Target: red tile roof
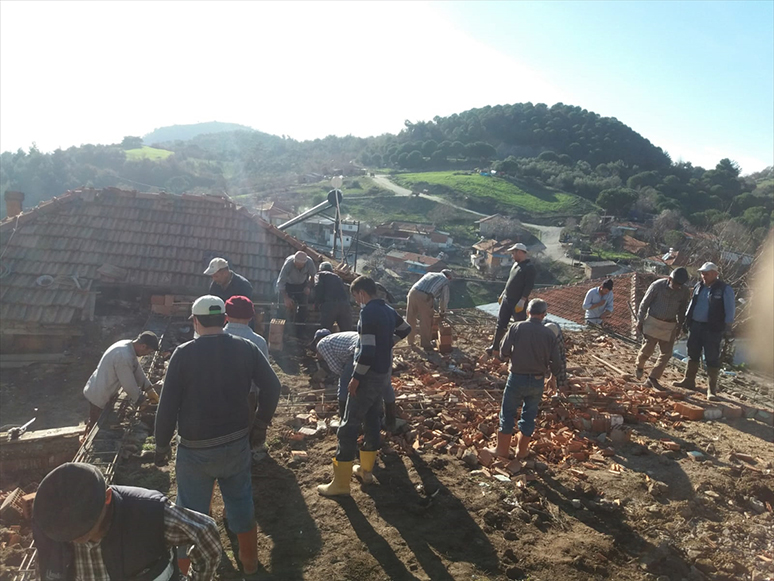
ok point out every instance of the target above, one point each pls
(567, 301)
(161, 242)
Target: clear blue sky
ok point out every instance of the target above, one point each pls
(695, 78)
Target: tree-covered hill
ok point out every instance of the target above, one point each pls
(186, 132)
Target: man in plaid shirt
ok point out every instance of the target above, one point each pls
(337, 350)
(89, 531)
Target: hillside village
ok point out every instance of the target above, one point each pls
(623, 478)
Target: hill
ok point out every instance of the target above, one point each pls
(186, 132)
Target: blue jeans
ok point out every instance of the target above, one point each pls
(525, 391)
(365, 407)
(229, 465)
(388, 392)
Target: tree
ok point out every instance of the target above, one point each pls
(429, 147)
(590, 223)
(617, 201)
(414, 160)
(130, 142)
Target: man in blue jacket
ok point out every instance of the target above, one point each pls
(205, 393)
(379, 328)
(710, 316)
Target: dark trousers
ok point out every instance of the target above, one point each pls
(301, 300)
(508, 312)
(701, 338)
(336, 312)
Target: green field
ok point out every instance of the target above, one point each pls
(492, 194)
(145, 152)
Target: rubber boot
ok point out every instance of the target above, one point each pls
(339, 486)
(248, 551)
(365, 471)
(390, 414)
(689, 380)
(494, 349)
(712, 388)
(523, 446)
(184, 565)
(342, 408)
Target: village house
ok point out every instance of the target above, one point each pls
(319, 231)
(498, 226)
(61, 258)
(403, 234)
(493, 255)
(599, 268)
(273, 213)
(403, 261)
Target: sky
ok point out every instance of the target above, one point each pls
(695, 78)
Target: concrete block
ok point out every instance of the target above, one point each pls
(713, 414)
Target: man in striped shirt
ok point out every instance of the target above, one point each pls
(86, 530)
(337, 350)
(421, 297)
(379, 327)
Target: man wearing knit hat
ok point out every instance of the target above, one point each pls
(84, 529)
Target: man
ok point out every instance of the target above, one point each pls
(206, 395)
(420, 301)
(239, 313)
(337, 350)
(119, 368)
(598, 303)
(294, 284)
(84, 529)
(533, 349)
(515, 295)
(660, 318)
(559, 381)
(379, 327)
(332, 299)
(710, 316)
(225, 282)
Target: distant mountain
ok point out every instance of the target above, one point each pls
(186, 132)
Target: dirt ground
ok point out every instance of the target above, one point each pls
(429, 516)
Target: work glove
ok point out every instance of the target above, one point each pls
(163, 455)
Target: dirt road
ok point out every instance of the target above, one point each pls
(549, 235)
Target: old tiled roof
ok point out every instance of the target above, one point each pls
(493, 246)
(399, 255)
(631, 244)
(567, 301)
(161, 242)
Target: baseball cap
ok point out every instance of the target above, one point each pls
(707, 266)
(679, 275)
(150, 339)
(517, 246)
(216, 264)
(240, 307)
(69, 501)
(320, 334)
(208, 305)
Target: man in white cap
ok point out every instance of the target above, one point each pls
(225, 282)
(710, 316)
(205, 395)
(294, 284)
(515, 296)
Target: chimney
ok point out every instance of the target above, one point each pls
(13, 203)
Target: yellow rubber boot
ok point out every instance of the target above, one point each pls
(339, 486)
(365, 471)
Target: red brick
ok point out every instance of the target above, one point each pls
(689, 411)
(157, 299)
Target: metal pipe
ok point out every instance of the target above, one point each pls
(321, 207)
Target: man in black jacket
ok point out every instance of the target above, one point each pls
(84, 529)
(332, 299)
(205, 393)
(515, 296)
